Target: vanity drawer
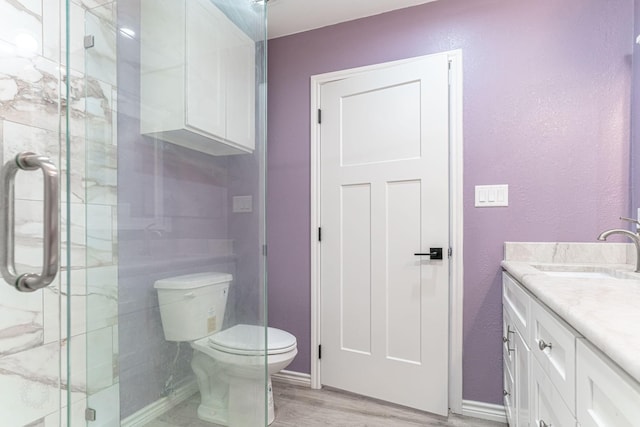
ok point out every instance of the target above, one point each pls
(606, 396)
(517, 303)
(548, 408)
(554, 347)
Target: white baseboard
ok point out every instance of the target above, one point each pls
(160, 406)
(484, 411)
(290, 377)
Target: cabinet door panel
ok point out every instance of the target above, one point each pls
(523, 395)
(606, 396)
(548, 407)
(557, 359)
(517, 303)
(509, 395)
(508, 349)
(205, 83)
(241, 83)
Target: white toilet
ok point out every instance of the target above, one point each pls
(229, 363)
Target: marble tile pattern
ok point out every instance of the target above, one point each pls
(33, 339)
(603, 310)
(298, 406)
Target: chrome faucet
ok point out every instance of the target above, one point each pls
(635, 237)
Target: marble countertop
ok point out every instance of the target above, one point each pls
(606, 311)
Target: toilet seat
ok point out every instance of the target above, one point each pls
(248, 340)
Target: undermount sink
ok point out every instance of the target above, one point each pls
(579, 272)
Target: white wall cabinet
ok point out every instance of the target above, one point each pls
(555, 377)
(197, 77)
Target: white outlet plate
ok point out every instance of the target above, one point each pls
(488, 196)
(242, 204)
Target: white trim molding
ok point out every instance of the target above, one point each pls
(455, 220)
(291, 377)
(484, 411)
(160, 406)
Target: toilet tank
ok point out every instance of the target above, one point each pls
(192, 306)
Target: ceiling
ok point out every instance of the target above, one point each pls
(294, 16)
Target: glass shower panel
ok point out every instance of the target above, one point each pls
(175, 175)
(100, 91)
(33, 325)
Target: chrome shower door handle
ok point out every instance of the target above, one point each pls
(29, 282)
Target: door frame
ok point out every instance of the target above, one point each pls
(456, 289)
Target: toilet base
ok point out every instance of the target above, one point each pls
(231, 400)
(215, 415)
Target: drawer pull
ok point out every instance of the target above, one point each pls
(543, 346)
(543, 424)
(507, 339)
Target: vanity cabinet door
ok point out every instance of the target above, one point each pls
(518, 303)
(548, 407)
(508, 369)
(554, 347)
(509, 396)
(523, 394)
(606, 396)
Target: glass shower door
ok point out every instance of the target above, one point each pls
(33, 118)
(164, 199)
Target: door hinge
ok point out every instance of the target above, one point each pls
(319, 116)
(320, 352)
(319, 234)
(449, 74)
(90, 414)
(264, 250)
(450, 252)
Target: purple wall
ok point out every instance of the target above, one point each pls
(546, 110)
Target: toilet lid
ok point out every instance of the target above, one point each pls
(249, 340)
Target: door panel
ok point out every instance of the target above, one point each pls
(384, 198)
(355, 283)
(32, 112)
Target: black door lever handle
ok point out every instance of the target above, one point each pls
(434, 253)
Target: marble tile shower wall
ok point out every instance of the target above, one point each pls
(33, 339)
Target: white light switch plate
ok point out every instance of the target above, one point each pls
(492, 195)
(242, 204)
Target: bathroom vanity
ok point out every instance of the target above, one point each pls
(571, 335)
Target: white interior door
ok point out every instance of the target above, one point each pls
(384, 170)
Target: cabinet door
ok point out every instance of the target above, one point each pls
(508, 332)
(554, 346)
(517, 303)
(205, 77)
(548, 408)
(509, 394)
(240, 60)
(606, 396)
(523, 395)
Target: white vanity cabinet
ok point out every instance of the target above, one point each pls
(197, 77)
(541, 347)
(555, 377)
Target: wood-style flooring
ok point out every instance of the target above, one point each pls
(299, 406)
